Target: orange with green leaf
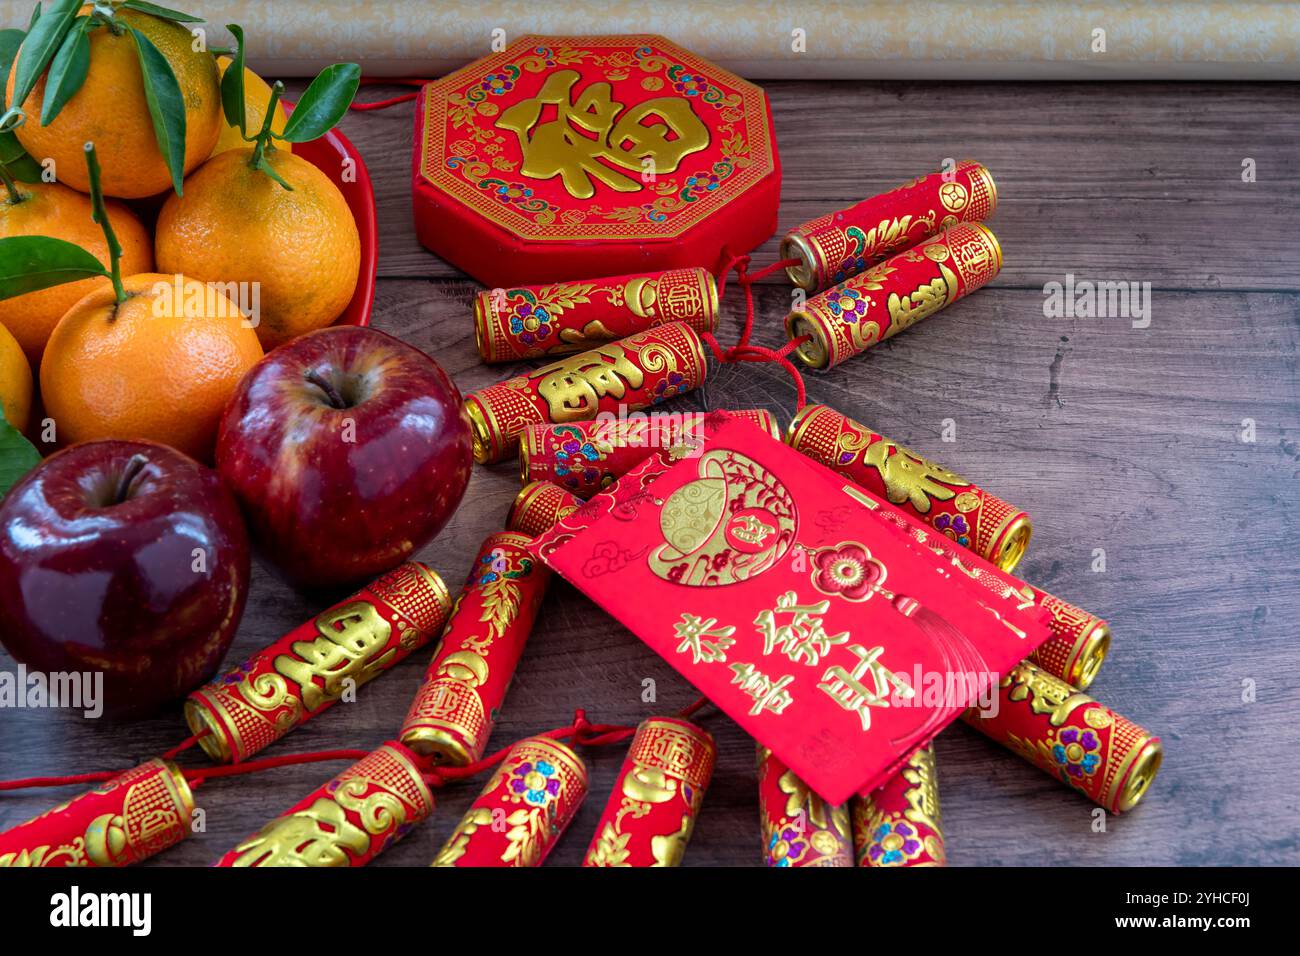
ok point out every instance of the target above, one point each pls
(128, 76)
(264, 216)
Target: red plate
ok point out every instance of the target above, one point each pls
(327, 154)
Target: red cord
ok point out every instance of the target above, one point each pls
(99, 776)
(742, 351)
(391, 101)
(183, 746)
(383, 104)
(197, 777)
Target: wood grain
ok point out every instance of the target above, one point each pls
(1114, 438)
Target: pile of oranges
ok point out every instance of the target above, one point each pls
(161, 363)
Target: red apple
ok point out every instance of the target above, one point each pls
(125, 557)
(348, 450)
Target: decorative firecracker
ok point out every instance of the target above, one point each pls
(842, 244)
(1076, 739)
(943, 499)
(628, 375)
(538, 506)
(291, 681)
(899, 824)
(584, 457)
(452, 715)
(127, 819)
(348, 822)
(656, 798)
(894, 295)
(535, 793)
(567, 317)
(799, 828)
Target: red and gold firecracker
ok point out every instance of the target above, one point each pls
(452, 715)
(1079, 641)
(567, 317)
(348, 822)
(943, 499)
(538, 506)
(842, 244)
(1076, 739)
(899, 823)
(651, 811)
(628, 375)
(891, 296)
(536, 791)
(585, 457)
(122, 821)
(308, 670)
(798, 827)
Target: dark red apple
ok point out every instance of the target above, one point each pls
(125, 557)
(348, 450)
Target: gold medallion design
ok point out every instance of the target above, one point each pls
(731, 523)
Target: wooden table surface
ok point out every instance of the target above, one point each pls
(1115, 438)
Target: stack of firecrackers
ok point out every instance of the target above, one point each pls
(873, 269)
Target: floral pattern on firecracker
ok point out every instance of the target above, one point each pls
(532, 314)
(576, 458)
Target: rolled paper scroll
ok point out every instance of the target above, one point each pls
(1076, 739)
(1079, 641)
(943, 499)
(585, 457)
(348, 822)
(628, 375)
(894, 295)
(899, 824)
(567, 317)
(452, 715)
(538, 506)
(651, 811)
(844, 243)
(537, 791)
(305, 672)
(122, 821)
(798, 827)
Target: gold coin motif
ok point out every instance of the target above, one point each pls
(953, 196)
(966, 502)
(1098, 718)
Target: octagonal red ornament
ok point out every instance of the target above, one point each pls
(575, 157)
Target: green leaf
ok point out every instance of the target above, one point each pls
(15, 159)
(43, 40)
(324, 103)
(166, 13)
(10, 41)
(166, 106)
(232, 85)
(36, 15)
(18, 456)
(68, 70)
(28, 263)
(265, 167)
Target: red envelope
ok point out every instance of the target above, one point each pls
(768, 581)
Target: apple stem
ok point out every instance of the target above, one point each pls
(326, 386)
(129, 474)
